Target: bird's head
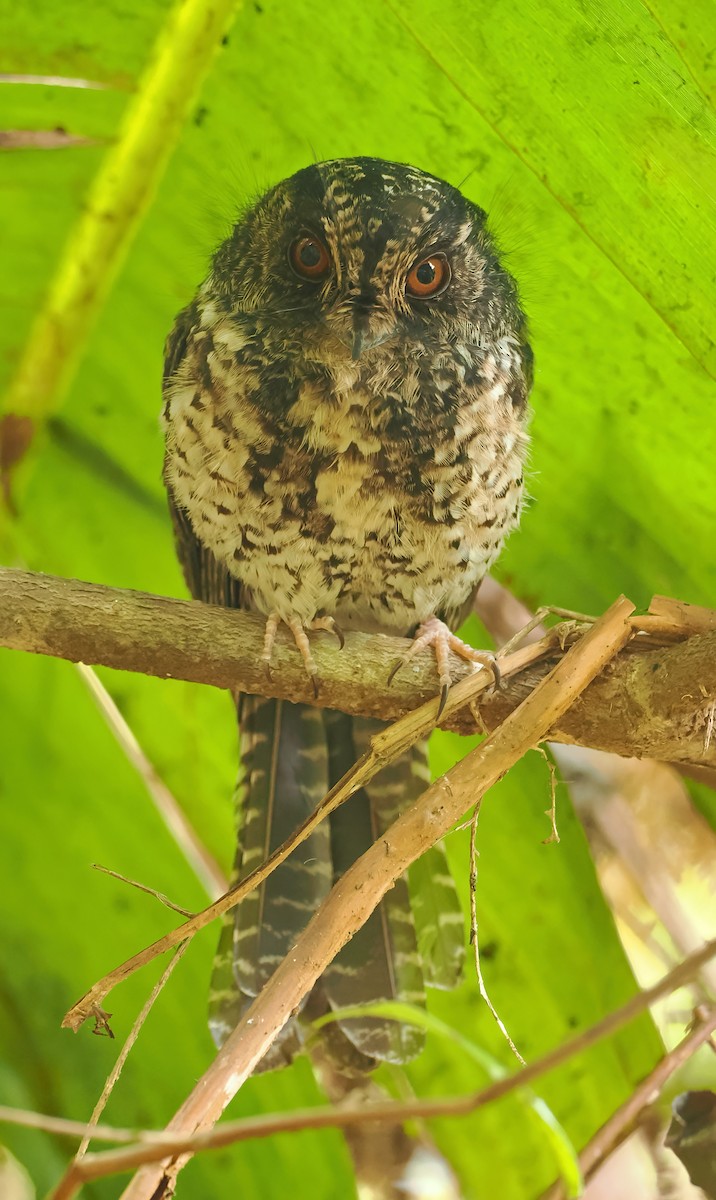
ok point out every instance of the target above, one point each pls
(348, 256)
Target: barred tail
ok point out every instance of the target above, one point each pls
(387, 959)
(283, 777)
(291, 755)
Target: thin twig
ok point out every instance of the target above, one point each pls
(143, 887)
(536, 622)
(124, 1052)
(195, 852)
(67, 1185)
(550, 812)
(96, 1166)
(474, 939)
(62, 1127)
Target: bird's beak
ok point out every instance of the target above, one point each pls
(359, 340)
(363, 339)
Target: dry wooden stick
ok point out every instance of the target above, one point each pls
(665, 611)
(152, 1146)
(63, 1127)
(358, 892)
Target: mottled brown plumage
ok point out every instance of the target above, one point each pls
(346, 401)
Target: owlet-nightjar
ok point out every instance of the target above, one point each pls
(345, 415)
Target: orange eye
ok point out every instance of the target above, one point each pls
(309, 258)
(428, 277)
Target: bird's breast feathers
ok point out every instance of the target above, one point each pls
(322, 508)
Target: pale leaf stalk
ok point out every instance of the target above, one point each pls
(118, 199)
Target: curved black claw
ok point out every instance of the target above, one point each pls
(328, 625)
(491, 664)
(394, 671)
(498, 683)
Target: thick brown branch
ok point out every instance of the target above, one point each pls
(654, 702)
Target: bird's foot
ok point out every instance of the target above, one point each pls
(435, 633)
(299, 630)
